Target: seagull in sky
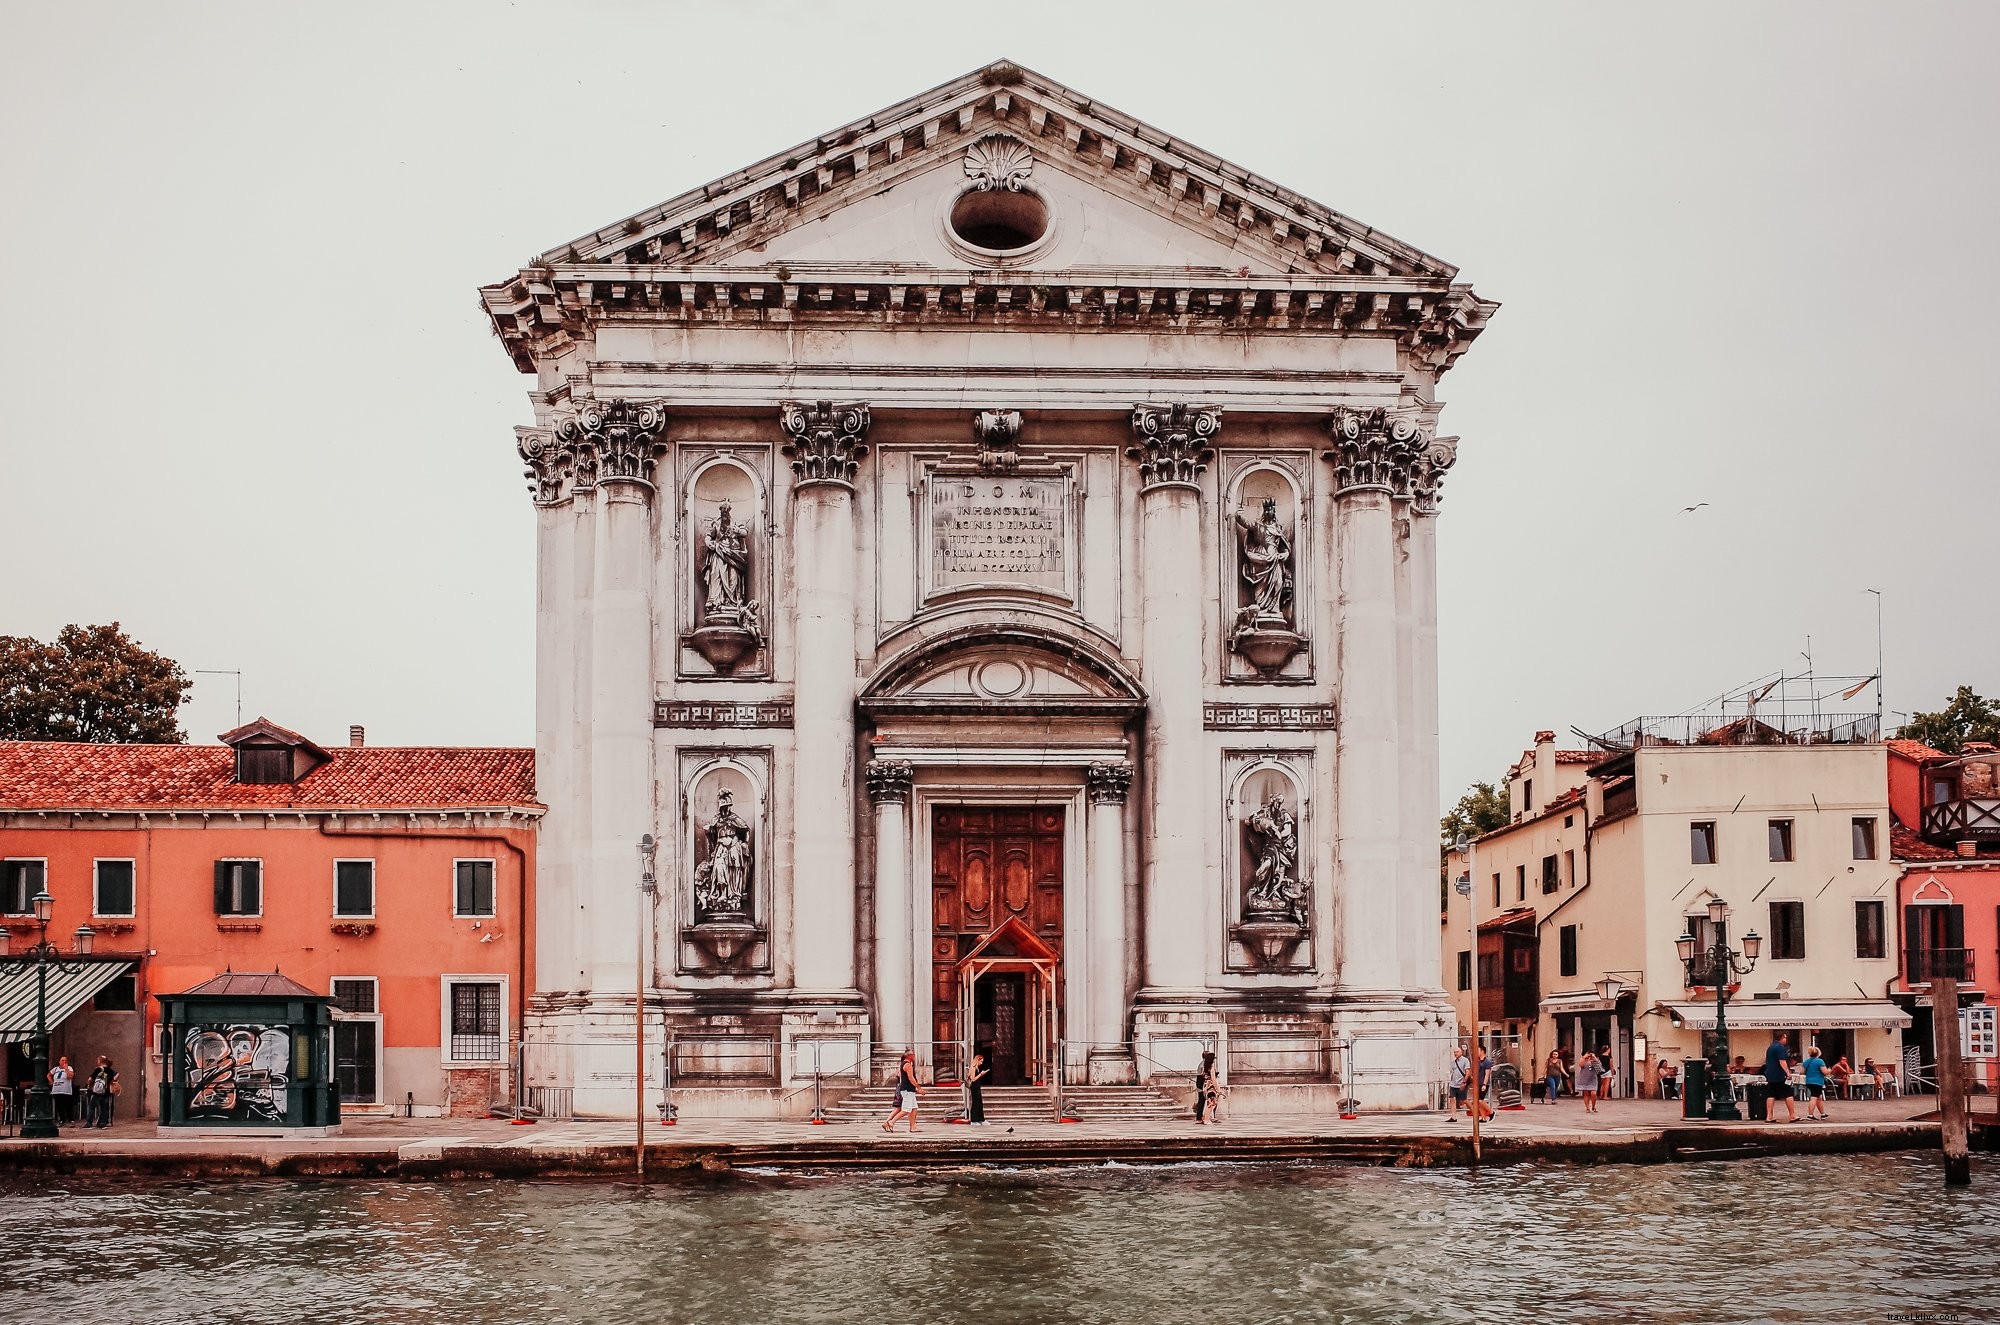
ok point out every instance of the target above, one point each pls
(1697, 506)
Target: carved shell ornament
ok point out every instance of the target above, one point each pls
(999, 162)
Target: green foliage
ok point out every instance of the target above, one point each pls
(1481, 809)
(1966, 717)
(95, 683)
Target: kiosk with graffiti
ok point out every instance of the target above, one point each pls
(238, 1071)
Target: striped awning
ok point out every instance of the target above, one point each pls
(68, 990)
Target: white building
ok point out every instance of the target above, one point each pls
(1581, 897)
(992, 548)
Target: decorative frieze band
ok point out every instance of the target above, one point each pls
(597, 442)
(1108, 783)
(1269, 717)
(825, 441)
(1376, 449)
(889, 780)
(723, 716)
(1172, 443)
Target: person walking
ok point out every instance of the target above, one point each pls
(1589, 1076)
(975, 1103)
(62, 1090)
(907, 1092)
(1778, 1074)
(1607, 1065)
(1206, 1094)
(1482, 1084)
(1461, 1080)
(1815, 1069)
(100, 1093)
(1554, 1074)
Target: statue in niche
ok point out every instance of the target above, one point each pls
(1267, 567)
(1272, 834)
(722, 882)
(730, 628)
(1263, 632)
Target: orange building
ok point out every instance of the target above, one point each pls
(1945, 831)
(399, 880)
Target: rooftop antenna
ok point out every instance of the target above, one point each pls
(213, 671)
(1879, 733)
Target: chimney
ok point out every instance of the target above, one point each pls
(1968, 850)
(1545, 766)
(357, 736)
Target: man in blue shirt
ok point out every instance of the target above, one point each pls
(1778, 1074)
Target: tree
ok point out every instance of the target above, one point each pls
(1481, 809)
(95, 683)
(1966, 717)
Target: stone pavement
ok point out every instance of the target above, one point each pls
(1621, 1131)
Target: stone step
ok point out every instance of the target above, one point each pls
(1021, 1103)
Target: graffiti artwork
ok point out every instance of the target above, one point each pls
(238, 1072)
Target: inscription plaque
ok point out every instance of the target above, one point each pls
(1011, 532)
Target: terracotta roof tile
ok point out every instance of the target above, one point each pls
(1911, 749)
(55, 775)
(1904, 844)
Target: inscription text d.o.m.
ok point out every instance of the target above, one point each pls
(1012, 531)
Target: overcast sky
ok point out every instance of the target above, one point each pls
(253, 410)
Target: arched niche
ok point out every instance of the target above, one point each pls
(1266, 600)
(1267, 818)
(725, 834)
(727, 575)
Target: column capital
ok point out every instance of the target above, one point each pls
(549, 467)
(1374, 449)
(1108, 783)
(825, 441)
(1171, 443)
(1427, 479)
(889, 781)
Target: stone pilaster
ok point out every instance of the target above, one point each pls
(1372, 456)
(616, 444)
(826, 443)
(895, 930)
(1418, 713)
(1171, 448)
(1105, 921)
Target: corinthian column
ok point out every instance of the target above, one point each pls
(895, 935)
(825, 443)
(1422, 961)
(1171, 446)
(559, 717)
(1371, 456)
(1105, 914)
(613, 447)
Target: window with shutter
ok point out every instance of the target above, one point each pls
(112, 892)
(472, 890)
(239, 888)
(20, 880)
(354, 888)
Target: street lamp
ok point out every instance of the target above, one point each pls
(1464, 846)
(1718, 965)
(40, 1122)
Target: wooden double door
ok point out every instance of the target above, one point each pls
(990, 864)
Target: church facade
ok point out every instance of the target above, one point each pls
(986, 588)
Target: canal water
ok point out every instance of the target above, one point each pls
(1861, 1239)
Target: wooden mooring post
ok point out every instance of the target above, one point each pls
(1951, 1084)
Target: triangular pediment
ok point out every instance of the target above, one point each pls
(1124, 196)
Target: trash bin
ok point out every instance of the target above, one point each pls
(1694, 1088)
(1757, 1098)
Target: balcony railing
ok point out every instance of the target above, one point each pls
(1922, 965)
(1744, 729)
(1963, 820)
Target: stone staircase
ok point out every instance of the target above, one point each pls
(1012, 1104)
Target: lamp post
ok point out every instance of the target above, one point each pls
(40, 1122)
(647, 845)
(1717, 966)
(1464, 845)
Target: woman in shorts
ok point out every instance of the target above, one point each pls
(907, 1092)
